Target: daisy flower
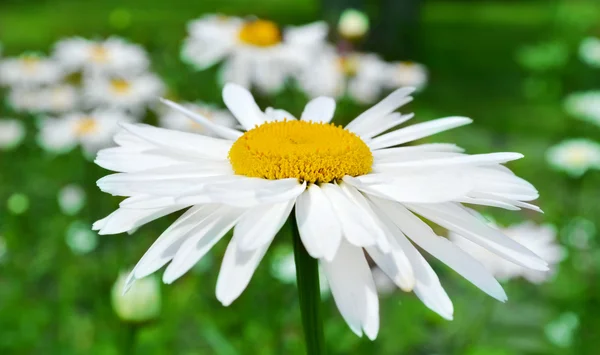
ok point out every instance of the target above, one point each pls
(362, 76)
(50, 99)
(255, 52)
(113, 56)
(93, 131)
(174, 119)
(12, 133)
(589, 51)
(29, 70)
(584, 105)
(540, 239)
(349, 191)
(574, 156)
(132, 94)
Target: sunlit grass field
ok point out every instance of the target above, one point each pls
(56, 301)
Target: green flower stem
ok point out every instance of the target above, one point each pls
(307, 275)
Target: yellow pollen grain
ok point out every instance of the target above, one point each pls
(86, 126)
(99, 54)
(260, 33)
(120, 86)
(309, 151)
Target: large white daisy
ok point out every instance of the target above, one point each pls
(29, 70)
(93, 131)
(351, 190)
(113, 56)
(255, 52)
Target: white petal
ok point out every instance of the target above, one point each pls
(241, 103)
(455, 218)
(380, 110)
(187, 144)
(452, 161)
(199, 242)
(260, 224)
(164, 248)
(225, 132)
(416, 151)
(395, 265)
(237, 269)
(127, 161)
(275, 114)
(417, 131)
(245, 192)
(318, 225)
(353, 289)
(357, 227)
(387, 122)
(427, 285)
(125, 219)
(320, 109)
(426, 187)
(443, 249)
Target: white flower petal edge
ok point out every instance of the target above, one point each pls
(379, 213)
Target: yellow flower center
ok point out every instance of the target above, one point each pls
(30, 63)
(86, 126)
(120, 86)
(260, 33)
(348, 65)
(309, 151)
(99, 54)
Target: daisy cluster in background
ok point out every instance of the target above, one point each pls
(261, 54)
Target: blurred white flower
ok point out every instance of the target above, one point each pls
(574, 156)
(255, 52)
(113, 56)
(364, 76)
(353, 24)
(71, 199)
(50, 99)
(12, 133)
(399, 74)
(29, 70)
(141, 303)
(92, 131)
(589, 51)
(175, 120)
(80, 238)
(540, 239)
(584, 105)
(132, 94)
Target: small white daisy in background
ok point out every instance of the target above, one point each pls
(80, 239)
(141, 303)
(113, 56)
(93, 131)
(589, 51)
(50, 99)
(540, 239)
(173, 119)
(71, 199)
(362, 76)
(29, 70)
(400, 74)
(255, 53)
(132, 94)
(353, 24)
(574, 156)
(352, 190)
(12, 133)
(23, 100)
(584, 105)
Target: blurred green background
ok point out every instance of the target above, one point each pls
(484, 61)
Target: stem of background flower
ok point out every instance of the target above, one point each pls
(307, 275)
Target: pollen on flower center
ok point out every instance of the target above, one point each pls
(120, 86)
(86, 126)
(309, 151)
(260, 33)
